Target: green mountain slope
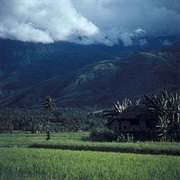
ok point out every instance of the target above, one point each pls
(95, 84)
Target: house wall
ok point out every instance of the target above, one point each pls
(143, 126)
(127, 126)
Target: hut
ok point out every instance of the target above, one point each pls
(134, 121)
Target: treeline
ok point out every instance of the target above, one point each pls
(35, 120)
(162, 112)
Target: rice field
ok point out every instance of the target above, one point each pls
(18, 161)
(24, 163)
(74, 141)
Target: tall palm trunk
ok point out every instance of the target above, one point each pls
(49, 106)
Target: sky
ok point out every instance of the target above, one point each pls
(88, 21)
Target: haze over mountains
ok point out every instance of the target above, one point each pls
(78, 75)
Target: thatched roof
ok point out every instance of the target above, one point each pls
(133, 112)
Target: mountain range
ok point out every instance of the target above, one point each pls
(86, 75)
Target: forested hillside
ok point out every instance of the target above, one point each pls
(76, 75)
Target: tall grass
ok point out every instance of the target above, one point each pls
(24, 163)
(74, 141)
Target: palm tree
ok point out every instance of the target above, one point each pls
(49, 105)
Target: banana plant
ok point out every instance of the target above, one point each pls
(118, 108)
(165, 108)
(162, 128)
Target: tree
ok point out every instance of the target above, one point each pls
(6, 121)
(162, 127)
(49, 105)
(166, 109)
(118, 108)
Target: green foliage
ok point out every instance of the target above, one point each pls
(20, 162)
(49, 104)
(102, 134)
(6, 122)
(22, 119)
(31, 71)
(35, 120)
(125, 137)
(23, 163)
(163, 128)
(118, 108)
(75, 141)
(165, 109)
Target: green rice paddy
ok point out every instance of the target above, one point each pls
(18, 161)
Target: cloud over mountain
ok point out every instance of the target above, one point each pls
(87, 22)
(42, 21)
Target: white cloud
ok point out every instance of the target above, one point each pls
(42, 21)
(23, 32)
(89, 21)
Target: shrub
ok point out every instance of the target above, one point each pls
(102, 134)
(125, 137)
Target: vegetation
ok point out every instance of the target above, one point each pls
(21, 162)
(80, 141)
(49, 105)
(102, 134)
(165, 109)
(118, 108)
(76, 75)
(35, 120)
(163, 112)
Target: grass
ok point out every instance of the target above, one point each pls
(24, 140)
(18, 161)
(74, 141)
(24, 163)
